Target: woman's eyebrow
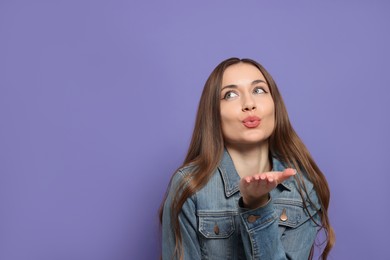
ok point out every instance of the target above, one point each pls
(229, 86)
(253, 83)
(258, 81)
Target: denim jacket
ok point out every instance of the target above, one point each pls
(214, 225)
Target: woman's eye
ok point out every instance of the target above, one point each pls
(259, 90)
(230, 95)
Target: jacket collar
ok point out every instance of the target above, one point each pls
(231, 178)
(229, 174)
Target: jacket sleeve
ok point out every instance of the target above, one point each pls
(278, 231)
(187, 222)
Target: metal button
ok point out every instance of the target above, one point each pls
(252, 218)
(216, 229)
(283, 216)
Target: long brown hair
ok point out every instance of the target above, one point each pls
(207, 146)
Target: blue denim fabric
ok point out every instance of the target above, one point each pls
(214, 226)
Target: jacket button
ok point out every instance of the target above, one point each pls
(216, 229)
(283, 216)
(252, 218)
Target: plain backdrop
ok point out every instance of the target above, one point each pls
(98, 99)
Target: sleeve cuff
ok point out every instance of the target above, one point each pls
(257, 218)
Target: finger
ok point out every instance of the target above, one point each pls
(287, 173)
(263, 179)
(270, 177)
(248, 179)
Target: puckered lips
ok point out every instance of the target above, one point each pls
(251, 121)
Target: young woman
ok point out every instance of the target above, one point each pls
(248, 188)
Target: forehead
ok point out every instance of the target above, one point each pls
(241, 74)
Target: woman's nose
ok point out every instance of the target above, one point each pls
(248, 105)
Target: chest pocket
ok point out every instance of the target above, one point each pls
(292, 214)
(216, 226)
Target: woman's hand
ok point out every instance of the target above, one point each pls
(255, 189)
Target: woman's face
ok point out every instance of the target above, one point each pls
(247, 107)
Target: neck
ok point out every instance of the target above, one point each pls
(250, 160)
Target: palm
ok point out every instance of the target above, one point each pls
(254, 188)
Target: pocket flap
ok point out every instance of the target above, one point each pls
(216, 226)
(292, 213)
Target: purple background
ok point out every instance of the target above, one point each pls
(97, 104)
